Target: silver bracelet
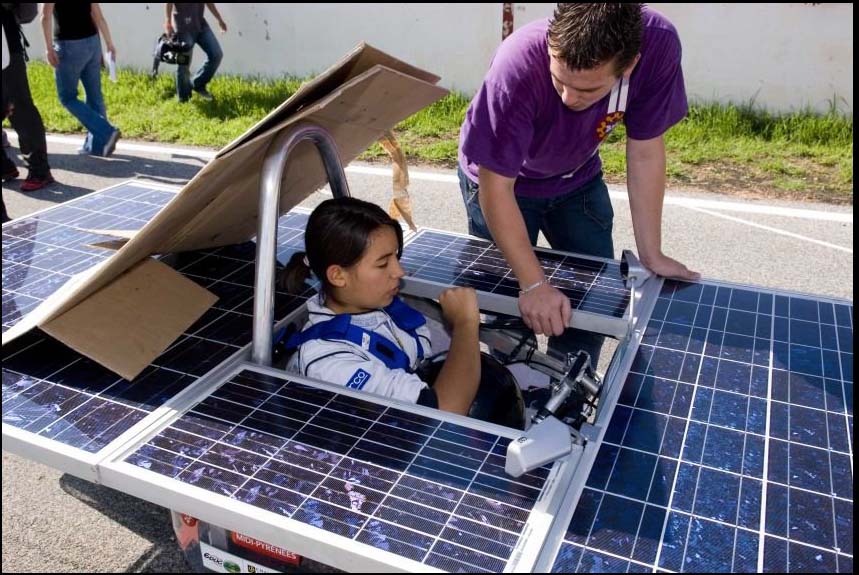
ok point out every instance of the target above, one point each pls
(532, 287)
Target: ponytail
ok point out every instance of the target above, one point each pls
(294, 276)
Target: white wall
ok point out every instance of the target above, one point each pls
(784, 56)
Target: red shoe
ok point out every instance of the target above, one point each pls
(32, 183)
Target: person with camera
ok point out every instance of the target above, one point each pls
(73, 33)
(186, 23)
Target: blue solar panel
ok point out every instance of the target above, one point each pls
(54, 392)
(592, 285)
(42, 252)
(415, 486)
(731, 446)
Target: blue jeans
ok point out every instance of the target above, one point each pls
(80, 61)
(207, 41)
(578, 221)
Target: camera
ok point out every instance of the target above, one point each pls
(170, 50)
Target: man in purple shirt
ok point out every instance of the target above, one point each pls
(529, 147)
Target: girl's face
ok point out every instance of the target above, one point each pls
(373, 281)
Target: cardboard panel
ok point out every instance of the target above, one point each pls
(148, 306)
(359, 60)
(357, 100)
(219, 205)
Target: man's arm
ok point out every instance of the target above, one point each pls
(168, 23)
(48, 31)
(645, 166)
(544, 308)
(101, 24)
(217, 16)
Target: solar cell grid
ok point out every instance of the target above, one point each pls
(415, 486)
(730, 448)
(52, 391)
(42, 252)
(731, 445)
(592, 285)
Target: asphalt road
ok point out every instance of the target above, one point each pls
(54, 522)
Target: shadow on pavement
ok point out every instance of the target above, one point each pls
(145, 519)
(65, 167)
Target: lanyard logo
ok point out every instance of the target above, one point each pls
(607, 125)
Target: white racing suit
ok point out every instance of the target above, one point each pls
(376, 351)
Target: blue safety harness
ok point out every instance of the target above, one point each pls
(340, 327)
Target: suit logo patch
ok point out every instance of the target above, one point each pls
(358, 380)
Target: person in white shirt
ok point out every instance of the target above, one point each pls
(359, 333)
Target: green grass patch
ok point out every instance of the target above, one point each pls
(147, 109)
(727, 148)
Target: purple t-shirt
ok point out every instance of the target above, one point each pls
(517, 125)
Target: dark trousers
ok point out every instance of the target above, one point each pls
(209, 43)
(18, 106)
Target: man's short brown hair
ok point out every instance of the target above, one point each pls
(585, 36)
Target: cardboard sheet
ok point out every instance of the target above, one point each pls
(149, 305)
(357, 100)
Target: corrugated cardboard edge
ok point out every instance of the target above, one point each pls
(122, 237)
(347, 114)
(120, 234)
(359, 60)
(127, 324)
(112, 245)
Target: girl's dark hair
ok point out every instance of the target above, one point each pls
(337, 233)
(585, 36)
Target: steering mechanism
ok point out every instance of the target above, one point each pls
(580, 379)
(555, 429)
(552, 434)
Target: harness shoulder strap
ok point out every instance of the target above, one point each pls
(341, 328)
(334, 328)
(407, 319)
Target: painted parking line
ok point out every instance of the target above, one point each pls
(773, 230)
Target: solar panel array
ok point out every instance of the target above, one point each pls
(42, 252)
(592, 285)
(414, 486)
(731, 446)
(51, 390)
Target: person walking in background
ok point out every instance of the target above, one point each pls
(73, 34)
(17, 104)
(187, 22)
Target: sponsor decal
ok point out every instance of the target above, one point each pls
(266, 549)
(212, 558)
(222, 562)
(358, 380)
